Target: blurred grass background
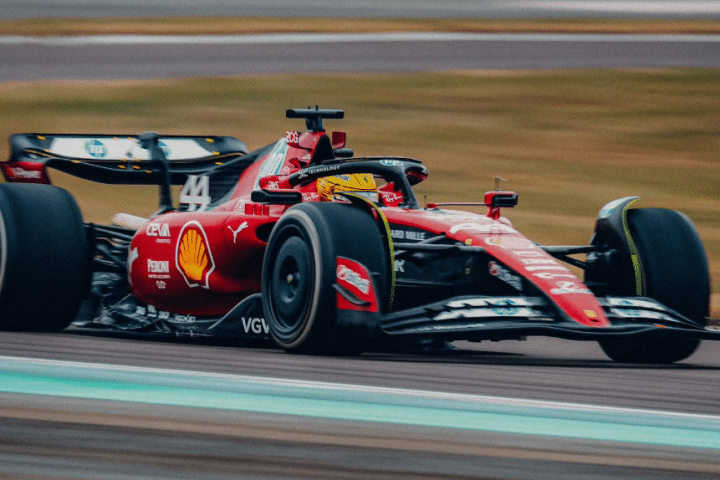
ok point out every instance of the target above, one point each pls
(567, 141)
(254, 25)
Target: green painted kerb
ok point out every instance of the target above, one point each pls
(356, 403)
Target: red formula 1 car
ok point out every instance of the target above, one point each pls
(323, 252)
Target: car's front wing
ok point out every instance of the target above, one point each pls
(497, 318)
(474, 318)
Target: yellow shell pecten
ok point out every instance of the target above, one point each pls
(192, 257)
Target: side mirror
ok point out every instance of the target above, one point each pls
(497, 199)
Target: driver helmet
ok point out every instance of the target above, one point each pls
(362, 184)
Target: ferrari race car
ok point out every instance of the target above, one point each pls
(322, 252)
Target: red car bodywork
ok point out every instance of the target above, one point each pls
(226, 244)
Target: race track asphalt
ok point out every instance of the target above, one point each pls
(23, 58)
(63, 436)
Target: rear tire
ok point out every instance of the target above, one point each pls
(675, 273)
(44, 260)
(299, 271)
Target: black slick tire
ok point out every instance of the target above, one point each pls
(675, 272)
(44, 260)
(299, 270)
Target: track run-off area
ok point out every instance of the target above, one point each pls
(538, 409)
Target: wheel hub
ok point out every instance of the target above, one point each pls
(290, 282)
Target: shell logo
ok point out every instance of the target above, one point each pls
(192, 255)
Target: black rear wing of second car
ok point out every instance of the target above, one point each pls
(118, 159)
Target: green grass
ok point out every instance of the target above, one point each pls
(253, 25)
(567, 141)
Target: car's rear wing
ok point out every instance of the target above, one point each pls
(116, 159)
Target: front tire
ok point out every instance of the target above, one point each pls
(44, 260)
(674, 272)
(299, 273)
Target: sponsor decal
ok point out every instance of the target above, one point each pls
(324, 169)
(355, 279)
(468, 242)
(538, 261)
(550, 276)
(505, 311)
(391, 163)
(565, 287)
(511, 243)
(110, 148)
(413, 235)
(157, 229)
(442, 327)
(489, 302)
(150, 311)
(504, 274)
(533, 259)
(161, 284)
(391, 197)
(196, 193)
(347, 275)
(240, 228)
(19, 172)
(255, 325)
(546, 267)
(399, 266)
(183, 318)
(161, 232)
(529, 253)
(158, 266)
(493, 227)
(591, 313)
(310, 197)
(630, 314)
(193, 257)
(292, 137)
(486, 313)
(158, 269)
(96, 148)
(626, 302)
